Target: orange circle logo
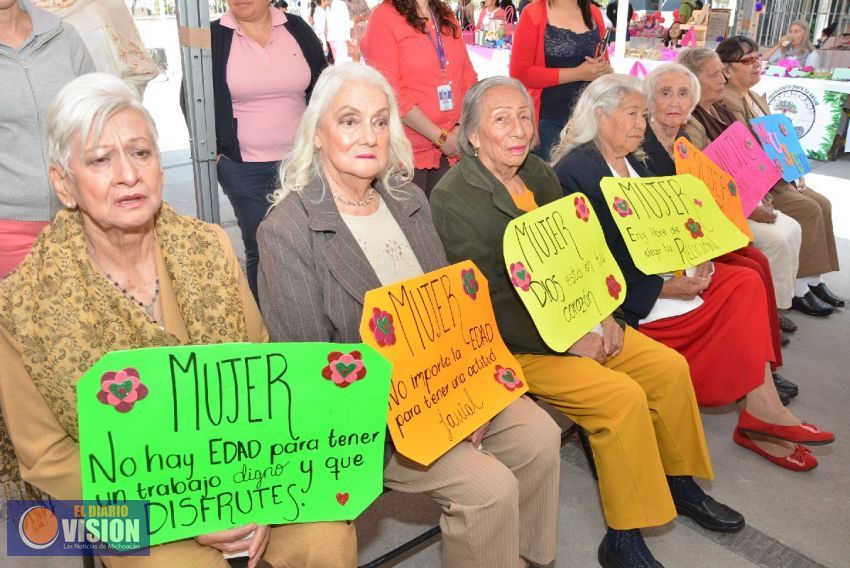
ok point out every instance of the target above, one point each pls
(38, 527)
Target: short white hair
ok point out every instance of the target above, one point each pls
(303, 164)
(650, 84)
(82, 107)
(607, 93)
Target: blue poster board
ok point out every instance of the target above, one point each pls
(782, 144)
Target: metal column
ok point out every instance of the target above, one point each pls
(193, 25)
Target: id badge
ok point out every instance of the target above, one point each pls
(444, 95)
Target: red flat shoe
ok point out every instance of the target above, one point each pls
(804, 433)
(801, 460)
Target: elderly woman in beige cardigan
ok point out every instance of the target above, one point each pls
(812, 210)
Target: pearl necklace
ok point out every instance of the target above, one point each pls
(370, 197)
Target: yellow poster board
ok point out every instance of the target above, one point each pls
(562, 269)
(690, 160)
(451, 370)
(669, 223)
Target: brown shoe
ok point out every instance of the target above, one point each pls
(786, 325)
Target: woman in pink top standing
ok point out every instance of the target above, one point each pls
(265, 64)
(416, 45)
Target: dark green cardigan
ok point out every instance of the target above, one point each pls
(471, 210)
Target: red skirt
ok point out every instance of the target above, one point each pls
(726, 340)
(752, 258)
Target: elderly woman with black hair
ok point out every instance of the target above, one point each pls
(119, 269)
(347, 221)
(631, 393)
(723, 334)
(672, 93)
(813, 211)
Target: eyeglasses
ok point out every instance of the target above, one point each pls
(750, 59)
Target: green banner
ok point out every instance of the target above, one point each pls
(218, 436)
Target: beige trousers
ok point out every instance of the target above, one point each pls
(498, 503)
(780, 243)
(307, 545)
(814, 213)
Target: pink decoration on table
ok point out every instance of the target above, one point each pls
(668, 54)
(638, 70)
(689, 39)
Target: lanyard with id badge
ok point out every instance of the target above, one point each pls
(444, 91)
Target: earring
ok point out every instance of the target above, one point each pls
(475, 151)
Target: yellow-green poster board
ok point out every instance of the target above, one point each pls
(669, 223)
(218, 436)
(561, 268)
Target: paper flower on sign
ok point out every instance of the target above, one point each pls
(614, 287)
(381, 326)
(733, 189)
(783, 130)
(748, 143)
(582, 211)
(520, 276)
(694, 228)
(470, 283)
(697, 202)
(682, 149)
(507, 378)
(778, 164)
(622, 207)
(344, 368)
(121, 389)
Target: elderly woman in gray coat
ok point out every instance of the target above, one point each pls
(345, 222)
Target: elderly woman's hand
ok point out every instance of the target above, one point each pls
(612, 340)
(590, 345)
(684, 287)
(233, 540)
(763, 214)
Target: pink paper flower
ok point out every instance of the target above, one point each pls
(520, 276)
(344, 368)
(121, 389)
(507, 378)
(622, 207)
(582, 211)
(381, 326)
(614, 287)
(470, 283)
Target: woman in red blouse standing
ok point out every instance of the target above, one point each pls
(430, 72)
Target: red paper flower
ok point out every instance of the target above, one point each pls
(344, 368)
(694, 228)
(520, 276)
(507, 378)
(622, 207)
(121, 389)
(470, 283)
(697, 202)
(582, 211)
(381, 326)
(614, 287)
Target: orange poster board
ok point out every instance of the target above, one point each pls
(690, 160)
(451, 370)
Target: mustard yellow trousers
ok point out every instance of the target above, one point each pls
(642, 416)
(306, 545)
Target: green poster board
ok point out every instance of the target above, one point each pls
(218, 436)
(562, 270)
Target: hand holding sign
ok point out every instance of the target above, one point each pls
(219, 436)
(780, 142)
(669, 223)
(562, 269)
(451, 370)
(689, 160)
(741, 156)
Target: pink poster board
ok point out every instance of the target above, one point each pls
(742, 157)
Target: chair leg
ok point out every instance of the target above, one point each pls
(428, 535)
(588, 451)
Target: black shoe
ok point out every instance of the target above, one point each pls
(825, 294)
(608, 558)
(712, 515)
(784, 385)
(783, 397)
(786, 325)
(785, 340)
(811, 305)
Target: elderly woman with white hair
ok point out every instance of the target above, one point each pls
(632, 394)
(347, 220)
(672, 92)
(720, 327)
(119, 269)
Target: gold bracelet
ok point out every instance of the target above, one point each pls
(441, 139)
